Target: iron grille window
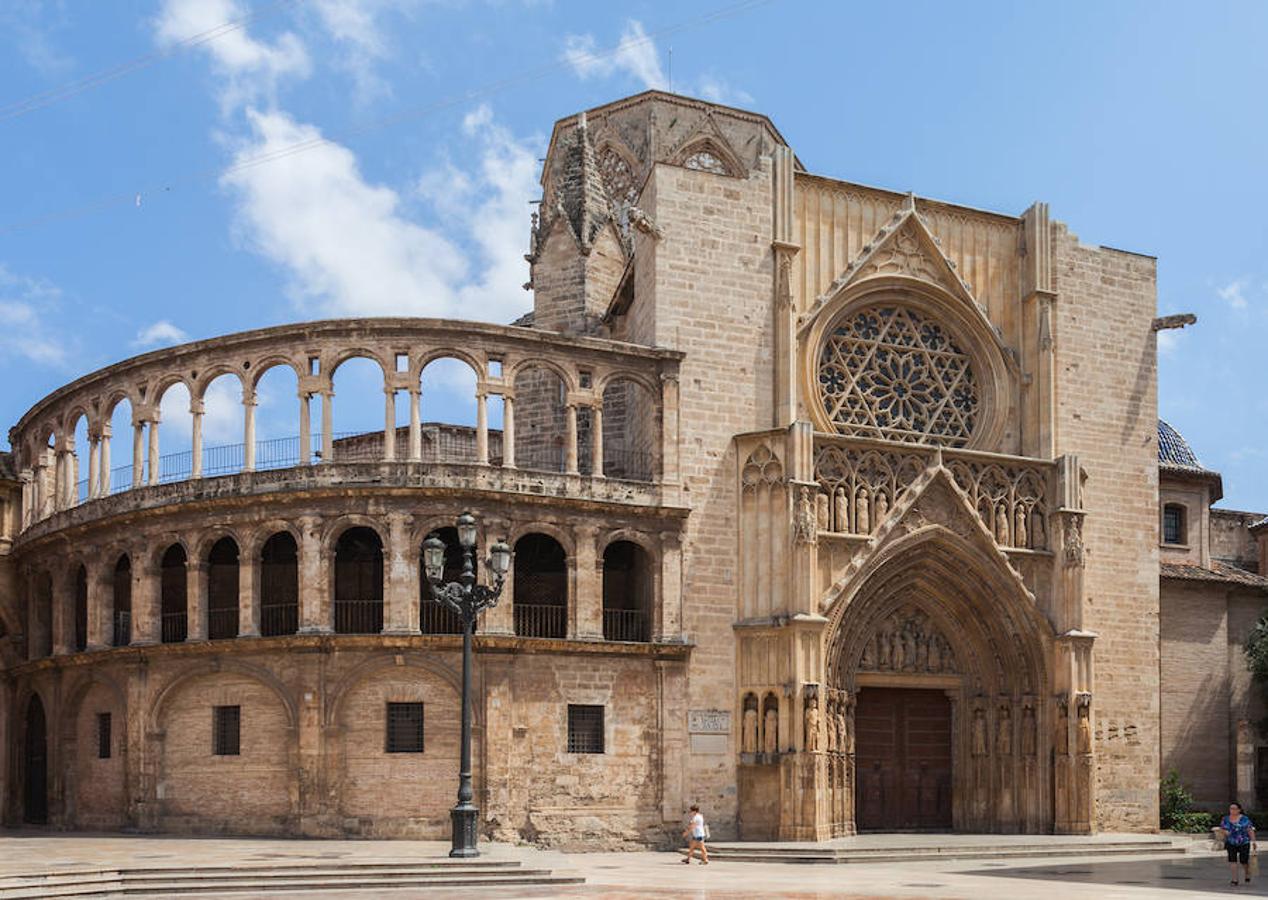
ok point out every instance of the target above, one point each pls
(585, 729)
(103, 735)
(405, 728)
(1173, 525)
(226, 725)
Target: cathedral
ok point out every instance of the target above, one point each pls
(833, 509)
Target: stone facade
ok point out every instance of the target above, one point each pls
(793, 468)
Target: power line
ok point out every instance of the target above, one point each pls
(73, 88)
(106, 201)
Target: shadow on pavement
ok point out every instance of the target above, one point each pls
(1189, 874)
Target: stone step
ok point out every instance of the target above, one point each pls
(844, 855)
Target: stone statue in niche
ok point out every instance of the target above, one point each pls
(979, 732)
(804, 524)
(1038, 539)
(1063, 726)
(830, 720)
(1019, 530)
(841, 510)
(1001, 524)
(843, 726)
(1028, 730)
(749, 743)
(862, 512)
(812, 724)
(821, 511)
(1085, 723)
(770, 731)
(882, 509)
(1004, 735)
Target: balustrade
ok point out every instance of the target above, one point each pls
(543, 620)
(624, 625)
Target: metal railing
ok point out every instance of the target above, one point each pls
(625, 625)
(122, 632)
(437, 619)
(358, 616)
(279, 618)
(222, 624)
(543, 620)
(175, 627)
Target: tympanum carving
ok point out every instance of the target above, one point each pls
(908, 642)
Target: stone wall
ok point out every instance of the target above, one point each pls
(1231, 540)
(1107, 414)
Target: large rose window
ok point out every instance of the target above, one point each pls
(889, 372)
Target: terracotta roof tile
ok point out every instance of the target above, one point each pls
(1218, 572)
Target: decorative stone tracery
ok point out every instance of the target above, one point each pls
(888, 371)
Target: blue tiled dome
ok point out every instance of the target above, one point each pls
(1174, 450)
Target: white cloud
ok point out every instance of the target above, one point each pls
(635, 55)
(1234, 293)
(29, 26)
(25, 304)
(718, 90)
(161, 333)
(349, 246)
(251, 68)
(1168, 341)
(357, 27)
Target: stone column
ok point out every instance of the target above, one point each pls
(389, 424)
(248, 592)
(482, 428)
(305, 431)
(668, 454)
(28, 496)
(508, 431)
(146, 601)
(103, 474)
(138, 453)
(100, 606)
(248, 430)
(571, 458)
(316, 614)
(596, 440)
(667, 613)
(196, 409)
(94, 466)
(327, 424)
(401, 585)
(586, 603)
(501, 618)
(155, 460)
(415, 426)
(196, 585)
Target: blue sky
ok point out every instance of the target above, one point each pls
(130, 221)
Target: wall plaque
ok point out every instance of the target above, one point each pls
(709, 721)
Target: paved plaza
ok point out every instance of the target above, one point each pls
(1196, 873)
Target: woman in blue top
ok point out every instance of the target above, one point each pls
(1240, 840)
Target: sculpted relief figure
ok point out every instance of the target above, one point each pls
(812, 725)
(1019, 530)
(804, 524)
(1001, 524)
(1028, 730)
(907, 642)
(749, 743)
(1038, 538)
(1063, 726)
(882, 508)
(821, 511)
(1085, 723)
(770, 731)
(843, 725)
(862, 514)
(1004, 737)
(979, 732)
(841, 510)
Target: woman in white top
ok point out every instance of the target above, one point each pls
(695, 834)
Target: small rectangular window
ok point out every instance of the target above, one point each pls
(103, 735)
(495, 368)
(402, 362)
(585, 729)
(226, 724)
(314, 365)
(404, 728)
(1173, 525)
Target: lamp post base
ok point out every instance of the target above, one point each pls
(464, 817)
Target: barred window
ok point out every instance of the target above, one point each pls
(226, 723)
(1173, 530)
(103, 735)
(405, 728)
(585, 728)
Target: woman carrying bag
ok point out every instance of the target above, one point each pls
(1239, 841)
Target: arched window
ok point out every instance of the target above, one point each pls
(627, 592)
(121, 630)
(1175, 526)
(359, 582)
(35, 760)
(541, 587)
(222, 590)
(279, 585)
(887, 371)
(629, 431)
(81, 609)
(541, 420)
(433, 617)
(172, 590)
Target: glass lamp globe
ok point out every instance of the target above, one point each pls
(467, 530)
(434, 558)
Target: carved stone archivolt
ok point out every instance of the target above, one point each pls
(908, 641)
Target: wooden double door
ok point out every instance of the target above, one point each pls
(903, 760)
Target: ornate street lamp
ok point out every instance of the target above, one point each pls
(467, 599)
